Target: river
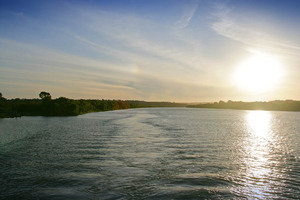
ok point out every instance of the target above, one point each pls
(152, 153)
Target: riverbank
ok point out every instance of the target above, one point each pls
(277, 105)
(69, 107)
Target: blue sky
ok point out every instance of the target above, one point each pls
(147, 50)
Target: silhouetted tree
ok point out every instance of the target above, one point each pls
(47, 105)
(1, 97)
(45, 95)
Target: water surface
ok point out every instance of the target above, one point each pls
(155, 153)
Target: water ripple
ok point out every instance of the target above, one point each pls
(170, 153)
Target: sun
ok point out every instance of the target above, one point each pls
(259, 73)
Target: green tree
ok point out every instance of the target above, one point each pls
(45, 95)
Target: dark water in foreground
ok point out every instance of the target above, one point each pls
(166, 153)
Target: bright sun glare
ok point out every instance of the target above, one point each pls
(259, 73)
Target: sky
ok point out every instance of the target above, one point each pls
(182, 51)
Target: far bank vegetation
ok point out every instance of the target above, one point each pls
(62, 106)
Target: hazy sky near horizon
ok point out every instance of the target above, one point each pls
(183, 51)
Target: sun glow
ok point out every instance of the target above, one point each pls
(259, 123)
(259, 73)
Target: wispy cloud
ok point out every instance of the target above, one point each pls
(136, 41)
(116, 55)
(58, 69)
(39, 69)
(187, 14)
(228, 23)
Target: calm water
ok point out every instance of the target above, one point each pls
(157, 153)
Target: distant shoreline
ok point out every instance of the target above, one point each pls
(10, 108)
(277, 105)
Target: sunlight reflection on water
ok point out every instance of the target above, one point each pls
(259, 123)
(259, 144)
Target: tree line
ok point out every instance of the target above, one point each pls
(280, 105)
(62, 106)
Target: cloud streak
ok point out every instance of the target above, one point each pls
(187, 14)
(226, 23)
